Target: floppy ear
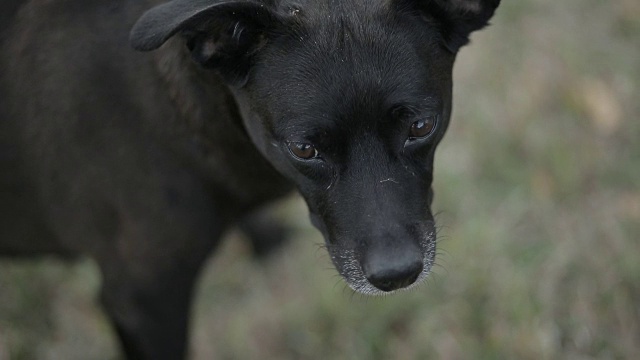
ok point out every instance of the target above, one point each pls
(457, 18)
(222, 35)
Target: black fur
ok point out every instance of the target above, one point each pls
(142, 161)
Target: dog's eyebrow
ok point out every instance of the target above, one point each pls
(427, 104)
(304, 129)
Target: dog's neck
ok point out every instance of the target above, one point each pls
(209, 122)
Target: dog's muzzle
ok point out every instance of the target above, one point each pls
(379, 273)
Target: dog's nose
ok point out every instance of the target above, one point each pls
(389, 273)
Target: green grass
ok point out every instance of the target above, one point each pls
(539, 206)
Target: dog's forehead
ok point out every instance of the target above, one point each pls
(347, 57)
(326, 8)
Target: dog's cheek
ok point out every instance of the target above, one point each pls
(322, 213)
(318, 222)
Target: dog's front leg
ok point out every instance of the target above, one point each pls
(265, 232)
(149, 272)
(150, 315)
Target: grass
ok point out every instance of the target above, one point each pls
(537, 188)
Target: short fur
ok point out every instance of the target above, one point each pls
(142, 161)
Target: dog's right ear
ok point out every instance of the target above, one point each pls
(456, 19)
(222, 35)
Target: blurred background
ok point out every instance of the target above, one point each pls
(538, 205)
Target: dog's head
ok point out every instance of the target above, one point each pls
(349, 99)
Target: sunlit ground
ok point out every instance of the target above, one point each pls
(539, 210)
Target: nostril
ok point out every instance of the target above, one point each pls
(395, 277)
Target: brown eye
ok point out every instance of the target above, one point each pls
(303, 151)
(422, 128)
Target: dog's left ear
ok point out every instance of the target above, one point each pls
(221, 35)
(457, 19)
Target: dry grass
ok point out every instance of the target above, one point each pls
(537, 185)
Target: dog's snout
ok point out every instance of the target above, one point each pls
(389, 272)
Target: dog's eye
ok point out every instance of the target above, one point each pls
(422, 128)
(303, 151)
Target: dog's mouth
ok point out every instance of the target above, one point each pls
(351, 269)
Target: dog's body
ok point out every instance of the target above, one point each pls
(142, 161)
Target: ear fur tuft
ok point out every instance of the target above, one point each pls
(221, 35)
(162, 22)
(457, 18)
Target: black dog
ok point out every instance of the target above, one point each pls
(142, 161)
